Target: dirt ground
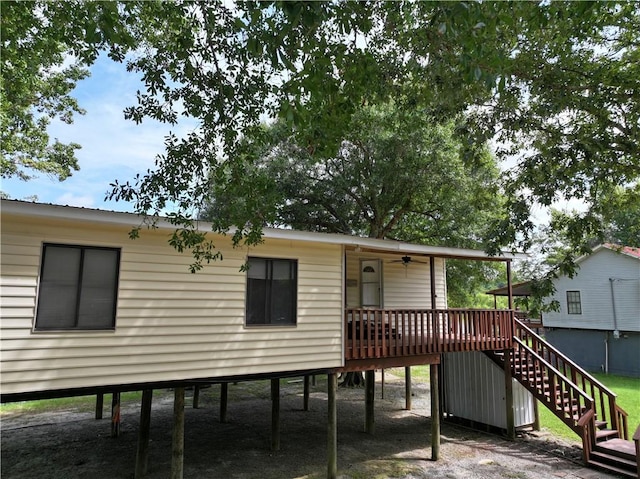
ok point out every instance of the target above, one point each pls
(72, 444)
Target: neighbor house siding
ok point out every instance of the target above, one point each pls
(402, 286)
(592, 281)
(599, 351)
(170, 324)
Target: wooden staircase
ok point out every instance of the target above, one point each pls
(583, 403)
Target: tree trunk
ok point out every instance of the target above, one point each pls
(352, 380)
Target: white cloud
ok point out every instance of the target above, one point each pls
(69, 199)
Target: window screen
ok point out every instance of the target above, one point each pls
(271, 292)
(78, 288)
(573, 302)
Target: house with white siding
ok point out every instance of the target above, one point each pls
(598, 322)
(84, 309)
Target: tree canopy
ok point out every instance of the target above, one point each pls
(397, 175)
(554, 83)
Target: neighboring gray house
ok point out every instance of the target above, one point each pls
(598, 324)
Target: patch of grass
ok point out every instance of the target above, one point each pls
(79, 403)
(418, 373)
(628, 392)
(628, 398)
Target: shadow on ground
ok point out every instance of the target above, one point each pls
(71, 444)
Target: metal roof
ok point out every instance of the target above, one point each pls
(628, 250)
(625, 250)
(517, 289)
(74, 213)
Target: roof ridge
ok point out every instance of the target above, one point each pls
(627, 250)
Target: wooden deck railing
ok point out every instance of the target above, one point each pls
(394, 333)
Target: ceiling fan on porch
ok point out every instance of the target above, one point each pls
(405, 260)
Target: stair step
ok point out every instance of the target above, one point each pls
(615, 469)
(601, 424)
(620, 448)
(573, 409)
(622, 462)
(606, 434)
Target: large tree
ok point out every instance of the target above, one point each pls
(619, 211)
(556, 82)
(397, 174)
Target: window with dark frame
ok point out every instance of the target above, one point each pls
(78, 288)
(271, 292)
(573, 302)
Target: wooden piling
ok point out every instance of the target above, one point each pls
(196, 396)
(177, 442)
(115, 415)
(224, 400)
(407, 388)
(332, 426)
(508, 386)
(99, 405)
(305, 401)
(142, 455)
(275, 414)
(435, 412)
(536, 416)
(370, 387)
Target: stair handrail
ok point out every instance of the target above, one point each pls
(587, 424)
(552, 368)
(566, 359)
(615, 411)
(636, 440)
(623, 424)
(588, 400)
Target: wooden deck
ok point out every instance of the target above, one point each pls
(395, 336)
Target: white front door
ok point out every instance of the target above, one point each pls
(371, 283)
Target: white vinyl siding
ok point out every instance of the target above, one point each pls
(402, 286)
(593, 282)
(170, 324)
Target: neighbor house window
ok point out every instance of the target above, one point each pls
(271, 292)
(573, 302)
(78, 288)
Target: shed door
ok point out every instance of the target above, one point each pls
(371, 283)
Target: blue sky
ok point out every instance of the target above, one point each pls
(112, 147)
